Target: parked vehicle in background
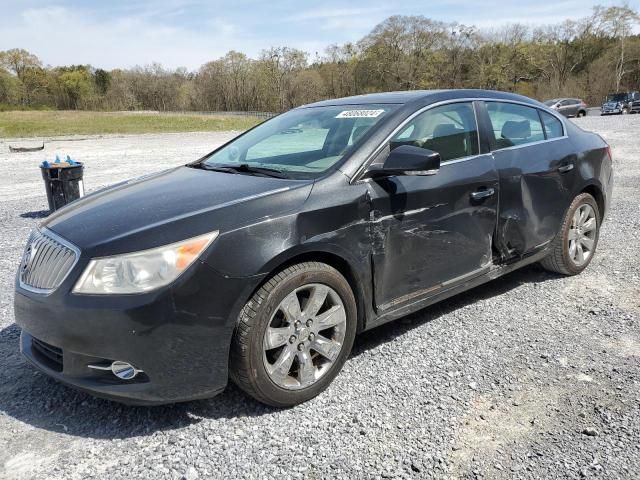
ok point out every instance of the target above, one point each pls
(621, 103)
(569, 107)
(261, 261)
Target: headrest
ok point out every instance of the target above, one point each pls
(513, 129)
(445, 130)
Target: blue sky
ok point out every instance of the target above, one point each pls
(121, 33)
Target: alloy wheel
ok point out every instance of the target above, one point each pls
(304, 336)
(582, 234)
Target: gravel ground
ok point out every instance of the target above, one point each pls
(531, 376)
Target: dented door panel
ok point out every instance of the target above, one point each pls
(536, 184)
(427, 230)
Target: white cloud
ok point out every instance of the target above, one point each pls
(61, 36)
(333, 13)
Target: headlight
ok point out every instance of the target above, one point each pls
(143, 271)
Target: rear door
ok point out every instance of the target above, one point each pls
(535, 164)
(429, 232)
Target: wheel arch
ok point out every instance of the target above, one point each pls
(334, 259)
(596, 192)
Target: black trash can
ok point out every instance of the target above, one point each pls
(63, 182)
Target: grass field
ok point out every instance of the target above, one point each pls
(54, 123)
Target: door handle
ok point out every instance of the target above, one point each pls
(480, 194)
(565, 168)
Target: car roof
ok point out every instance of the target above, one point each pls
(420, 97)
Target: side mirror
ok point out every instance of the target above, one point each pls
(406, 160)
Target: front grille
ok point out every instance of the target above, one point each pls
(47, 354)
(46, 261)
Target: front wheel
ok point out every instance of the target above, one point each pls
(294, 335)
(575, 244)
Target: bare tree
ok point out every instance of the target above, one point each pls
(617, 23)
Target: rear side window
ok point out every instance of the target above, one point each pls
(552, 126)
(449, 130)
(514, 124)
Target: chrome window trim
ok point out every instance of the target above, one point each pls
(54, 236)
(464, 159)
(524, 145)
(357, 176)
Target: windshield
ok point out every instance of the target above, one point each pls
(302, 143)
(617, 97)
(550, 103)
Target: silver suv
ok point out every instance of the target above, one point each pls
(569, 107)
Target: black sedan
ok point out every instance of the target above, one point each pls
(261, 261)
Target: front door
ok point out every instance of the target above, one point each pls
(429, 232)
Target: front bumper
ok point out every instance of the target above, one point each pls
(179, 336)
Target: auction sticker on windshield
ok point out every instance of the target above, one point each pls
(360, 114)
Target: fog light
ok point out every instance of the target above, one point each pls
(122, 370)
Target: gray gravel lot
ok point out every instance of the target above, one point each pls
(531, 376)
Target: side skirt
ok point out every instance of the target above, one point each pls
(446, 291)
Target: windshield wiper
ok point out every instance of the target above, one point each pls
(245, 168)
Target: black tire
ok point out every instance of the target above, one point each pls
(582, 113)
(247, 369)
(559, 260)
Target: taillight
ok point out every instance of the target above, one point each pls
(609, 153)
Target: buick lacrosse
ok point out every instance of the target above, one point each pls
(261, 261)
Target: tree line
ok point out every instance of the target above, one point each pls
(585, 58)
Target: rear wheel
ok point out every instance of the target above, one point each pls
(294, 335)
(582, 113)
(575, 244)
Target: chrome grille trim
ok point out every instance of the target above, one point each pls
(46, 269)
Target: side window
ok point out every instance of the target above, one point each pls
(552, 126)
(514, 124)
(449, 130)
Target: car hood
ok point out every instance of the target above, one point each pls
(173, 205)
